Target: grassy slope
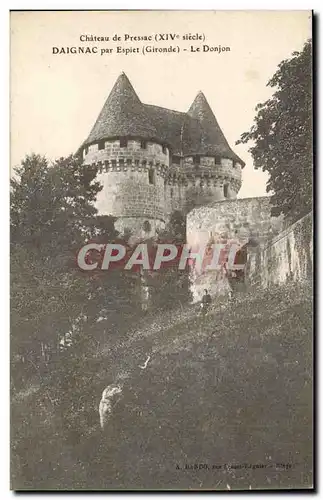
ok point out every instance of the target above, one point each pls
(232, 388)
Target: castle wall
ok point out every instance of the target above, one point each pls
(210, 181)
(174, 192)
(286, 257)
(194, 185)
(279, 253)
(133, 151)
(126, 169)
(129, 194)
(133, 180)
(241, 218)
(236, 220)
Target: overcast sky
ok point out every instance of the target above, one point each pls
(55, 99)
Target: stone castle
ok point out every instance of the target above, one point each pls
(153, 161)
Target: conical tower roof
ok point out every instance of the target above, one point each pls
(122, 115)
(194, 132)
(212, 140)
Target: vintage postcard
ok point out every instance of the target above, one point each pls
(161, 250)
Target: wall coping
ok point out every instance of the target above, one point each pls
(236, 201)
(287, 231)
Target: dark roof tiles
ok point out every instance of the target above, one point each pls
(122, 114)
(212, 139)
(194, 132)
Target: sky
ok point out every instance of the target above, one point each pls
(56, 98)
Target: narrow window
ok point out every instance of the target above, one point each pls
(86, 150)
(171, 192)
(164, 150)
(197, 160)
(147, 226)
(101, 144)
(123, 142)
(152, 176)
(225, 190)
(143, 144)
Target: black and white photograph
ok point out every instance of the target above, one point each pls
(161, 250)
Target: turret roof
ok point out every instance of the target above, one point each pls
(122, 114)
(194, 132)
(212, 139)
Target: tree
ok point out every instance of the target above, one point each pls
(115, 297)
(169, 285)
(282, 136)
(50, 204)
(52, 217)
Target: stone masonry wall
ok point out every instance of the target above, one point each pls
(241, 218)
(133, 180)
(235, 220)
(278, 253)
(194, 185)
(129, 194)
(133, 151)
(286, 257)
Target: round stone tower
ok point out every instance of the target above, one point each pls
(132, 163)
(152, 160)
(203, 167)
(211, 168)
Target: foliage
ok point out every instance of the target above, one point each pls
(49, 204)
(170, 286)
(52, 217)
(282, 136)
(238, 382)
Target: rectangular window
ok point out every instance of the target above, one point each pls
(176, 160)
(123, 142)
(143, 145)
(101, 145)
(164, 150)
(225, 190)
(197, 160)
(152, 176)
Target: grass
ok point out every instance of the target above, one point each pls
(228, 396)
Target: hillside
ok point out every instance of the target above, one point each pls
(232, 391)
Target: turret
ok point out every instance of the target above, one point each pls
(154, 160)
(132, 162)
(213, 169)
